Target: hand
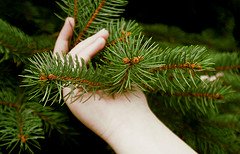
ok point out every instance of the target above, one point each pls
(125, 121)
(100, 112)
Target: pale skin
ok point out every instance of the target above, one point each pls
(125, 122)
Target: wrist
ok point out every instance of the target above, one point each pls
(135, 134)
(144, 133)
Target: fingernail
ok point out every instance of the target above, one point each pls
(70, 20)
(100, 40)
(103, 31)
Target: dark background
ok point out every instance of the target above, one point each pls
(191, 16)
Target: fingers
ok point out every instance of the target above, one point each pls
(85, 49)
(84, 44)
(92, 49)
(61, 45)
(91, 46)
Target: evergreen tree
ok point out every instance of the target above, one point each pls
(192, 88)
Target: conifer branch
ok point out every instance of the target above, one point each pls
(23, 124)
(130, 65)
(49, 74)
(15, 43)
(20, 130)
(92, 15)
(121, 29)
(10, 47)
(9, 104)
(75, 11)
(225, 68)
(92, 18)
(14, 39)
(186, 65)
(229, 62)
(216, 96)
(122, 38)
(204, 98)
(52, 77)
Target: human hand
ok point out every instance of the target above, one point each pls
(125, 121)
(100, 113)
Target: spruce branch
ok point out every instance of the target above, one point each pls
(15, 40)
(91, 14)
(182, 67)
(217, 138)
(49, 74)
(128, 63)
(23, 123)
(19, 129)
(202, 100)
(14, 43)
(5, 53)
(120, 29)
(206, 136)
(229, 62)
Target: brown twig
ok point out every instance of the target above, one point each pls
(178, 66)
(54, 77)
(80, 35)
(222, 68)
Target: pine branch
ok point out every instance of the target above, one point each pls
(19, 129)
(91, 15)
(14, 39)
(229, 62)
(49, 74)
(217, 139)
(128, 67)
(24, 123)
(119, 31)
(182, 67)
(15, 44)
(128, 64)
(5, 53)
(201, 100)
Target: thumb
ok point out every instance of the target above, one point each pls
(61, 45)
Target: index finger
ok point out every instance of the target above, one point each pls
(62, 42)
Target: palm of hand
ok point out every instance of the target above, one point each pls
(103, 114)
